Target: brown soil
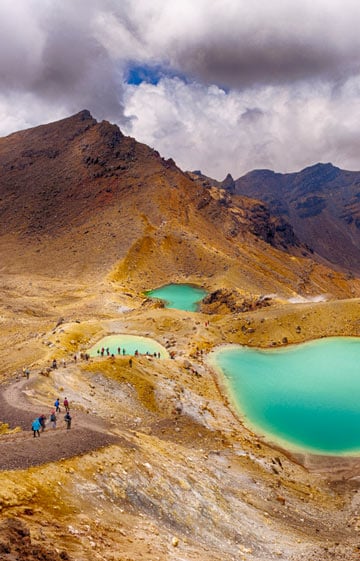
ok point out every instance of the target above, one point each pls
(16, 544)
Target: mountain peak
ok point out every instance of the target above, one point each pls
(261, 173)
(320, 166)
(322, 169)
(314, 177)
(228, 183)
(84, 115)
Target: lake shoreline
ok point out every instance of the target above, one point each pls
(300, 452)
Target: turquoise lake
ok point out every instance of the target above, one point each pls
(129, 343)
(305, 396)
(180, 296)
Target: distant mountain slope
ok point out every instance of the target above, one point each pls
(80, 199)
(321, 202)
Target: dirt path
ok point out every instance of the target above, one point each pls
(21, 450)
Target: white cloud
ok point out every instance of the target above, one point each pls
(237, 43)
(282, 128)
(30, 111)
(269, 84)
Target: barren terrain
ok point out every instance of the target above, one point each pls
(158, 464)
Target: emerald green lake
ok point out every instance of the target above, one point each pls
(180, 296)
(305, 396)
(129, 344)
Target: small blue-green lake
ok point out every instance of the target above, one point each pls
(305, 396)
(180, 296)
(128, 344)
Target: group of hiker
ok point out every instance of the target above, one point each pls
(106, 352)
(39, 424)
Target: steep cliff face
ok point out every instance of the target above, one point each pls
(274, 230)
(322, 204)
(254, 215)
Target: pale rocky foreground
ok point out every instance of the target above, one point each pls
(177, 475)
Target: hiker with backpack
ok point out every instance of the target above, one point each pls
(67, 420)
(42, 421)
(53, 419)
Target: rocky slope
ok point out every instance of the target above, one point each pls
(79, 199)
(255, 214)
(322, 204)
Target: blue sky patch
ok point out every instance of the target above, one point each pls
(138, 73)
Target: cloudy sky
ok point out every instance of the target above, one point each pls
(218, 85)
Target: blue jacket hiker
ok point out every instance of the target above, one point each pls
(36, 426)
